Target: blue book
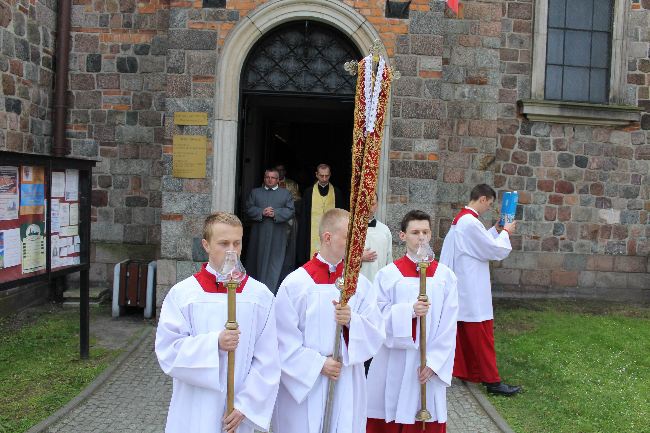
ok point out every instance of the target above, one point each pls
(509, 207)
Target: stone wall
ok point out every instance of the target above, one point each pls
(586, 190)
(26, 74)
(455, 122)
(117, 103)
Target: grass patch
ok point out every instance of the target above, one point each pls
(40, 369)
(585, 366)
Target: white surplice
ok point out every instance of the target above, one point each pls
(467, 250)
(187, 347)
(306, 329)
(380, 240)
(393, 376)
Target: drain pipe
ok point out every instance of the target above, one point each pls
(59, 147)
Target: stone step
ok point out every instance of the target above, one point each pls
(97, 296)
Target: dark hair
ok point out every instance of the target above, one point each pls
(482, 190)
(414, 215)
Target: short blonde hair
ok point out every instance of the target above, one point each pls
(219, 217)
(330, 219)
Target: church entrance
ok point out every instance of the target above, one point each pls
(297, 106)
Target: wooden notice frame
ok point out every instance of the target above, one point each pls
(81, 173)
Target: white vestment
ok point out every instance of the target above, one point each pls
(467, 250)
(380, 240)
(187, 346)
(393, 377)
(306, 329)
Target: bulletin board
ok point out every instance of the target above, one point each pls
(45, 224)
(44, 217)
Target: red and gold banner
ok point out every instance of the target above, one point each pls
(366, 149)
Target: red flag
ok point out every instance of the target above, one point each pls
(453, 5)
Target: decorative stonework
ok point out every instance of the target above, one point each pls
(580, 113)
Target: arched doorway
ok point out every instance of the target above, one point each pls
(297, 105)
(241, 39)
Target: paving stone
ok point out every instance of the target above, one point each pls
(136, 398)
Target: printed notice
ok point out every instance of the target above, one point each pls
(64, 215)
(58, 184)
(55, 223)
(74, 214)
(12, 247)
(8, 193)
(71, 185)
(55, 258)
(189, 157)
(33, 246)
(69, 231)
(190, 118)
(32, 190)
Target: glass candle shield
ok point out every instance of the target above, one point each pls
(231, 269)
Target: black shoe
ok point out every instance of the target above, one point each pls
(500, 388)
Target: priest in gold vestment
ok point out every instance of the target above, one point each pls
(316, 200)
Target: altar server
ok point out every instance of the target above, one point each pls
(307, 304)
(395, 376)
(467, 250)
(192, 344)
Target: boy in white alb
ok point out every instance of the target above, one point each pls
(395, 376)
(192, 344)
(308, 308)
(467, 250)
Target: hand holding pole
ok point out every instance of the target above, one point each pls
(336, 355)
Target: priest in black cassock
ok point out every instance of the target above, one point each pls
(316, 200)
(269, 208)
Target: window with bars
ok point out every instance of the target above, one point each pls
(301, 57)
(578, 50)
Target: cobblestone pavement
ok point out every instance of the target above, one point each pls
(135, 400)
(464, 414)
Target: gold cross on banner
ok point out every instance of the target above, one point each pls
(352, 65)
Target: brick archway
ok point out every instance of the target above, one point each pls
(239, 42)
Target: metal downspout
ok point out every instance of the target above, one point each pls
(59, 147)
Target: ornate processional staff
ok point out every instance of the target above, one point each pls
(424, 256)
(232, 273)
(370, 104)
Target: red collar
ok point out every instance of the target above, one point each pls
(464, 211)
(320, 272)
(410, 269)
(209, 283)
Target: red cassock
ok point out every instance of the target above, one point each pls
(476, 360)
(467, 249)
(380, 426)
